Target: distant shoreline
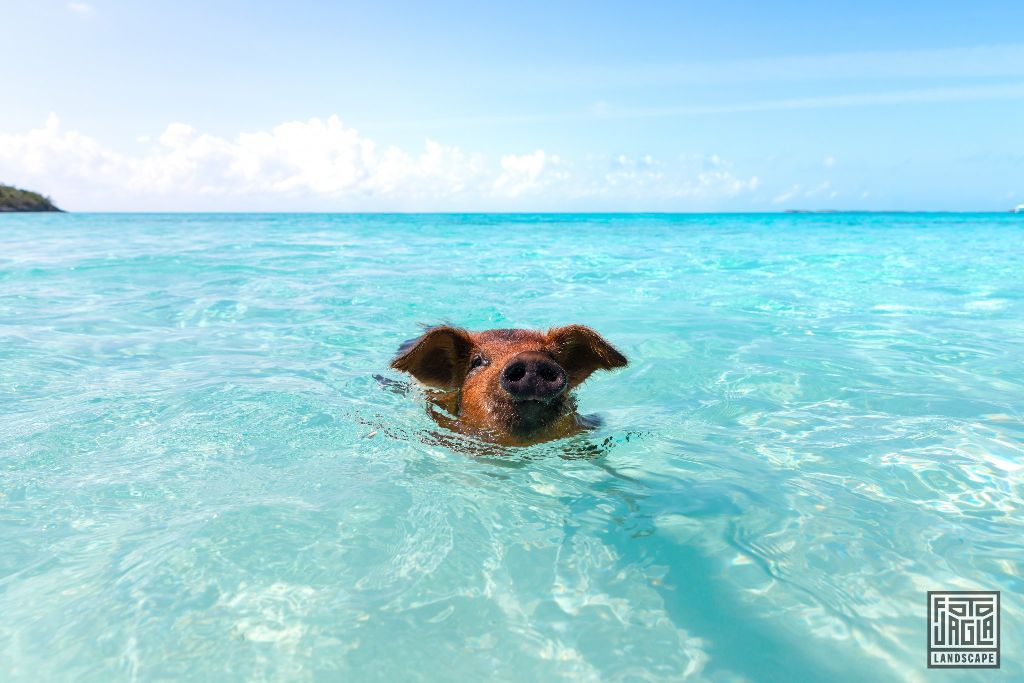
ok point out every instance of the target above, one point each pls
(16, 200)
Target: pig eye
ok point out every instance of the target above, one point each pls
(478, 361)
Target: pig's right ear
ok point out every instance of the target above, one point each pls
(439, 358)
(580, 351)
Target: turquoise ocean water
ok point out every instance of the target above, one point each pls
(201, 479)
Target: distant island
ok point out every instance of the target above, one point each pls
(13, 199)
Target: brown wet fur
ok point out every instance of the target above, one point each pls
(443, 358)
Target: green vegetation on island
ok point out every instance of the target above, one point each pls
(13, 199)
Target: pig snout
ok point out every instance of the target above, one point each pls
(533, 377)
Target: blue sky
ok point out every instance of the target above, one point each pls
(726, 106)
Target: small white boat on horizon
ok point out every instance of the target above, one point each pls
(1018, 209)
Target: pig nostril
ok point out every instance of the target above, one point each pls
(547, 373)
(515, 372)
(532, 377)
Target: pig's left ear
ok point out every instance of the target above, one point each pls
(439, 358)
(580, 351)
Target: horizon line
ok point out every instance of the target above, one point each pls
(782, 212)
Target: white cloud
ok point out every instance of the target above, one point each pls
(324, 163)
(315, 157)
(787, 195)
(983, 61)
(724, 182)
(823, 189)
(970, 93)
(828, 162)
(694, 180)
(525, 172)
(80, 7)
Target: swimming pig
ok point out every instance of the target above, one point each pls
(509, 386)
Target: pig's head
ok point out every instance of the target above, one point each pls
(513, 385)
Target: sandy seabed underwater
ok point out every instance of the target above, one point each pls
(200, 477)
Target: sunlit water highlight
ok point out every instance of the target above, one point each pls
(201, 479)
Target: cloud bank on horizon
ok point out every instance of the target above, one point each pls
(323, 163)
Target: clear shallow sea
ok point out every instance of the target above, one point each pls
(201, 479)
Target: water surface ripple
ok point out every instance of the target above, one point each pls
(200, 477)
